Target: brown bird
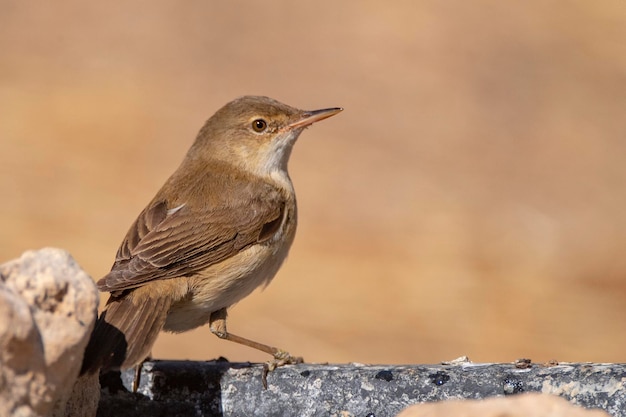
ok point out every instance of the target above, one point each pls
(220, 227)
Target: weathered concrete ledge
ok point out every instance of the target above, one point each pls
(221, 388)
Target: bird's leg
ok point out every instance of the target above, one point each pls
(137, 378)
(217, 324)
(138, 368)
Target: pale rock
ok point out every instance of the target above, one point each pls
(48, 306)
(521, 405)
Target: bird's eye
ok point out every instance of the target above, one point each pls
(259, 125)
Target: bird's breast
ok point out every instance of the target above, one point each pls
(225, 283)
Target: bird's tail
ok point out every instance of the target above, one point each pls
(125, 331)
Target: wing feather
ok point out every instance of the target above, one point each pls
(170, 240)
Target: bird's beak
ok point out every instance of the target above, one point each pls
(309, 117)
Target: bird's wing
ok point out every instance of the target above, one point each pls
(167, 242)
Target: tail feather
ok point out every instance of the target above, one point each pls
(125, 331)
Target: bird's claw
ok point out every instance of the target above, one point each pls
(281, 358)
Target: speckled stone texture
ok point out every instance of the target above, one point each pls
(220, 388)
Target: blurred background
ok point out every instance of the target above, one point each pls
(470, 200)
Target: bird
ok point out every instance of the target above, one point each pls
(220, 226)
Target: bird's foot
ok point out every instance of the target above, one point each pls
(281, 358)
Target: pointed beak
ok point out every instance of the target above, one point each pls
(309, 117)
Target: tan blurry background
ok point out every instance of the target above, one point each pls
(469, 201)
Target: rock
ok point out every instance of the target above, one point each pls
(225, 389)
(83, 400)
(521, 405)
(49, 306)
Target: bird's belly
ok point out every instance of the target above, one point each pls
(224, 284)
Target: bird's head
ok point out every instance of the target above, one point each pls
(255, 133)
